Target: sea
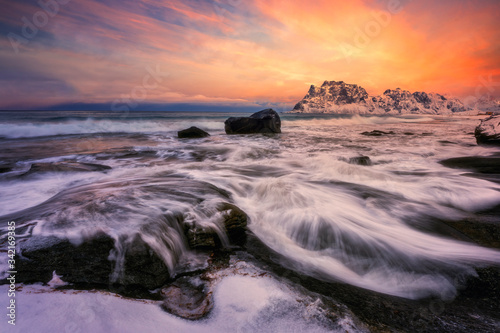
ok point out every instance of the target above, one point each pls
(333, 203)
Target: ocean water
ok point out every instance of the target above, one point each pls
(332, 219)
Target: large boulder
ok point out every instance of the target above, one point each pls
(89, 262)
(488, 131)
(265, 121)
(192, 133)
(147, 244)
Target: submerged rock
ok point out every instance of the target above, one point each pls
(488, 131)
(360, 160)
(192, 133)
(480, 164)
(377, 133)
(5, 168)
(66, 167)
(265, 121)
(144, 250)
(189, 298)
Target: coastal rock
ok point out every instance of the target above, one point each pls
(192, 133)
(233, 225)
(66, 167)
(343, 98)
(5, 168)
(360, 160)
(146, 249)
(88, 262)
(479, 164)
(377, 133)
(189, 298)
(141, 265)
(488, 131)
(265, 121)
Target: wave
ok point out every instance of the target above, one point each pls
(330, 232)
(90, 126)
(354, 120)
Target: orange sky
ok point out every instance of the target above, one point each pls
(243, 53)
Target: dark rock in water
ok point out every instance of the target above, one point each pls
(66, 167)
(446, 142)
(377, 133)
(5, 168)
(89, 262)
(488, 131)
(480, 164)
(192, 133)
(142, 266)
(265, 121)
(360, 160)
(234, 226)
(235, 223)
(188, 298)
(84, 263)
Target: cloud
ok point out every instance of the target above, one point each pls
(245, 51)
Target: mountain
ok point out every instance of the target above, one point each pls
(341, 97)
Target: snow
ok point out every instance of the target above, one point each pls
(340, 97)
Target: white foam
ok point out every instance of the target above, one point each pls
(242, 304)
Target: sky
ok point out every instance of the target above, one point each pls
(239, 54)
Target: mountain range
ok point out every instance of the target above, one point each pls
(341, 97)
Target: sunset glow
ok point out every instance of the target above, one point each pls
(241, 53)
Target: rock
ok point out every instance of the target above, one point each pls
(265, 121)
(92, 262)
(479, 164)
(377, 133)
(142, 266)
(234, 222)
(88, 262)
(360, 160)
(188, 298)
(66, 167)
(192, 133)
(488, 131)
(5, 168)
(143, 253)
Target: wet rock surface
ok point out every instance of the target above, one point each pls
(377, 133)
(233, 227)
(478, 164)
(361, 160)
(66, 167)
(189, 298)
(265, 121)
(192, 133)
(488, 131)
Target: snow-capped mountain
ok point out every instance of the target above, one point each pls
(341, 97)
(484, 104)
